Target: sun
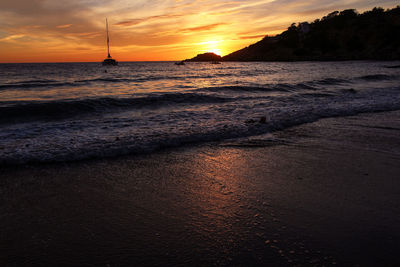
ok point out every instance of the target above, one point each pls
(212, 46)
(215, 51)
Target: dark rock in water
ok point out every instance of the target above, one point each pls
(205, 58)
(261, 120)
(250, 121)
(351, 90)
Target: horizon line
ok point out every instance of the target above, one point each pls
(54, 62)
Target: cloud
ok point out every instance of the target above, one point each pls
(203, 28)
(12, 37)
(154, 27)
(252, 36)
(64, 26)
(22, 6)
(133, 22)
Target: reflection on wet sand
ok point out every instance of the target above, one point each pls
(214, 196)
(214, 205)
(229, 210)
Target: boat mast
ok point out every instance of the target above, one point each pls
(108, 40)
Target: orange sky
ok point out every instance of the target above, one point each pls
(74, 30)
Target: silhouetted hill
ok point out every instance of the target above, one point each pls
(205, 57)
(344, 35)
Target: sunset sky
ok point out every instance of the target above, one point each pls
(74, 30)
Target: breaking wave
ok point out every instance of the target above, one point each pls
(66, 108)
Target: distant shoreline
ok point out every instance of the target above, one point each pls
(339, 36)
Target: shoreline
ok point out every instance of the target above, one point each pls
(259, 128)
(321, 193)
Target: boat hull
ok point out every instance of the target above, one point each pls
(110, 62)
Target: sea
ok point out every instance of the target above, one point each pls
(55, 112)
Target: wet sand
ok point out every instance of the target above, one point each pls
(325, 193)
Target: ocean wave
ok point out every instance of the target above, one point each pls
(151, 78)
(34, 84)
(66, 108)
(100, 80)
(161, 139)
(307, 85)
(316, 95)
(277, 87)
(104, 79)
(280, 87)
(239, 89)
(331, 81)
(378, 77)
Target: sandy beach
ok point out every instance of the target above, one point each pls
(324, 193)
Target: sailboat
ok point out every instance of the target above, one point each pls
(109, 61)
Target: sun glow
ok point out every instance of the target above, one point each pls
(212, 46)
(215, 51)
(149, 30)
